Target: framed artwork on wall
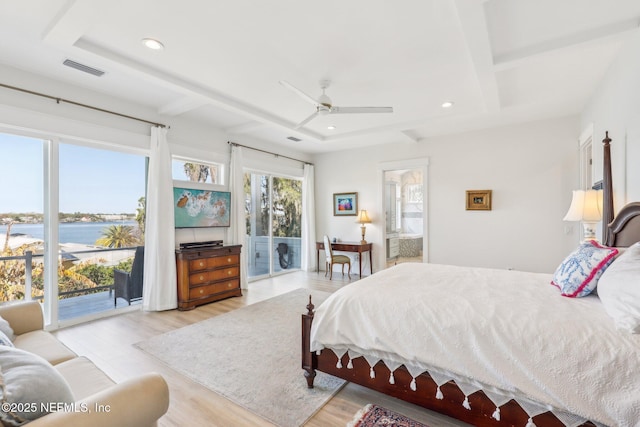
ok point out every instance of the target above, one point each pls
(201, 208)
(345, 204)
(478, 200)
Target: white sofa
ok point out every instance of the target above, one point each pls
(98, 401)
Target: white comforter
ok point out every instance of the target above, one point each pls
(508, 332)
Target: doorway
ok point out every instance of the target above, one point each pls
(273, 208)
(405, 206)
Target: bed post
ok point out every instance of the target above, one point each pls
(309, 360)
(607, 187)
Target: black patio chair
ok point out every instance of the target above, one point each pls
(129, 285)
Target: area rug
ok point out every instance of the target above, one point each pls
(377, 416)
(251, 356)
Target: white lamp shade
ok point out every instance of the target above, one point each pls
(363, 217)
(586, 205)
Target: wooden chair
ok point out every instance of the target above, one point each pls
(334, 259)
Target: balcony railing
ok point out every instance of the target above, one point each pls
(76, 302)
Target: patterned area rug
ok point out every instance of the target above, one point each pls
(252, 357)
(377, 416)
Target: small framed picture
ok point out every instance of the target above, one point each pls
(478, 200)
(345, 204)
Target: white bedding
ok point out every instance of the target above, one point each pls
(510, 333)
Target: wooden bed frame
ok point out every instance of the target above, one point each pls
(621, 232)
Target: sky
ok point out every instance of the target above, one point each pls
(91, 180)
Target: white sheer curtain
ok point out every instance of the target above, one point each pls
(308, 261)
(160, 288)
(238, 230)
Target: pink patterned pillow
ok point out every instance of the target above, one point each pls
(578, 274)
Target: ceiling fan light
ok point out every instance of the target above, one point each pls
(331, 127)
(324, 100)
(323, 110)
(447, 104)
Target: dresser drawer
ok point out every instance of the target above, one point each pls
(206, 274)
(213, 275)
(206, 290)
(207, 263)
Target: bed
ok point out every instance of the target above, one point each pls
(504, 349)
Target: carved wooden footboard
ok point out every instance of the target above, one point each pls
(482, 408)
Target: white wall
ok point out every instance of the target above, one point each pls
(530, 168)
(615, 106)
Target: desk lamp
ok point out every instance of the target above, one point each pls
(363, 219)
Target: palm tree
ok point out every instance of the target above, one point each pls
(117, 236)
(197, 172)
(141, 215)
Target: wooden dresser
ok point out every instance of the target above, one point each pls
(207, 274)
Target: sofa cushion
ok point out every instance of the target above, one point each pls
(28, 385)
(44, 345)
(83, 377)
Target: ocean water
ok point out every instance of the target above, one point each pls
(85, 233)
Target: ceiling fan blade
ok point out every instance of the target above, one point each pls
(359, 110)
(307, 120)
(299, 92)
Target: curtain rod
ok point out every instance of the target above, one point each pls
(59, 100)
(269, 152)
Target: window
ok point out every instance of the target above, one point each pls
(191, 171)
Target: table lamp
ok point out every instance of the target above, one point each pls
(586, 206)
(363, 219)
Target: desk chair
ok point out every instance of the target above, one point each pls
(334, 259)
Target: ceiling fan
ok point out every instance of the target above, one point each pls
(324, 106)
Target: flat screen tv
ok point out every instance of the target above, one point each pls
(201, 208)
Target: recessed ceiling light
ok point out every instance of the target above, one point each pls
(152, 44)
(331, 127)
(447, 104)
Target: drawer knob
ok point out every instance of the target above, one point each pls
(201, 291)
(229, 259)
(201, 264)
(201, 278)
(230, 285)
(228, 273)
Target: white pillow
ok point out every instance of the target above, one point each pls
(4, 340)
(27, 382)
(6, 329)
(619, 290)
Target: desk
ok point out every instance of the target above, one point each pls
(347, 247)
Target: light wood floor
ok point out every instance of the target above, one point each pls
(109, 344)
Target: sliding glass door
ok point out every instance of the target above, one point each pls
(273, 212)
(69, 216)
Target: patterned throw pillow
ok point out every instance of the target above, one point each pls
(578, 274)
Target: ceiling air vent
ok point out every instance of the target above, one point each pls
(82, 67)
(293, 138)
